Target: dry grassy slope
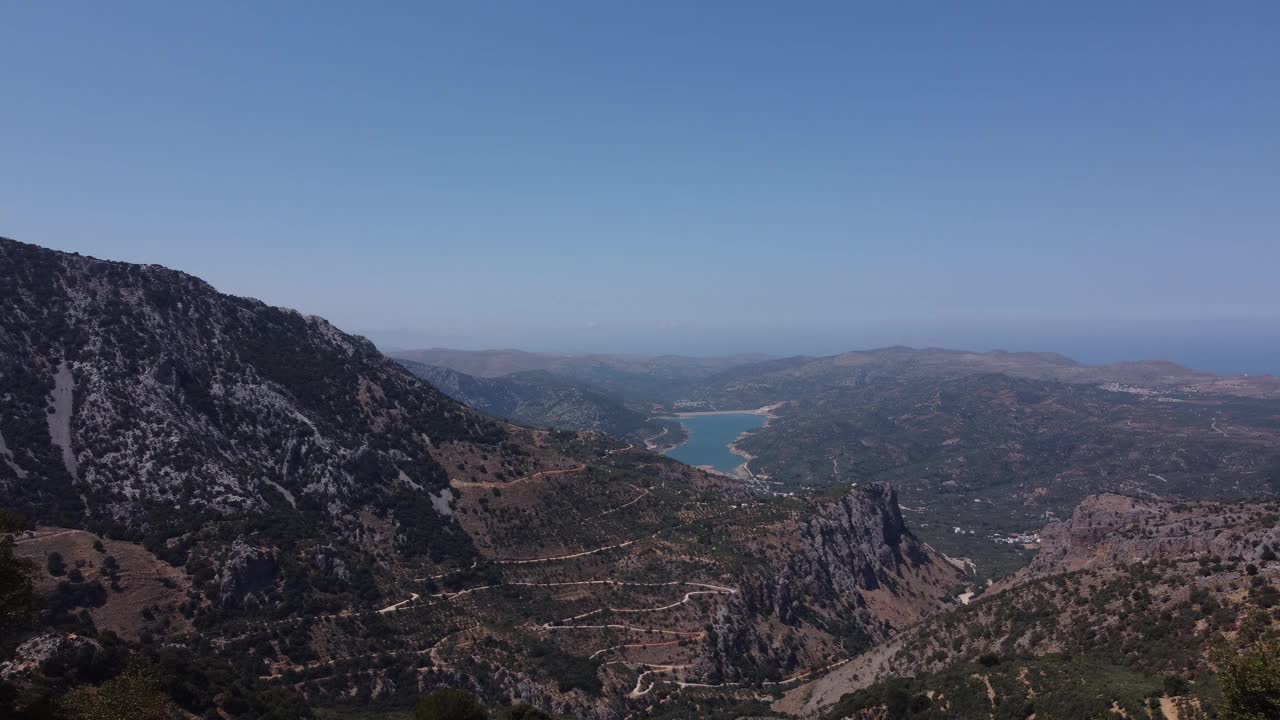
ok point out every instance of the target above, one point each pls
(1141, 586)
(143, 582)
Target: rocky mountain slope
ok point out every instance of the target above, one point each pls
(539, 399)
(293, 518)
(145, 402)
(1126, 605)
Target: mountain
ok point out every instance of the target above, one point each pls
(538, 398)
(997, 453)
(642, 379)
(798, 378)
(146, 403)
(242, 511)
(983, 446)
(1127, 610)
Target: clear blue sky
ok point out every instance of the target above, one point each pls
(684, 176)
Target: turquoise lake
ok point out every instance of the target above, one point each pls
(709, 439)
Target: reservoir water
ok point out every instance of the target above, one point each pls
(710, 437)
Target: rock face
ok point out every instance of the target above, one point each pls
(855, 571)
(858, 543)
(247, 570)
(50, 654)
(1108, 530)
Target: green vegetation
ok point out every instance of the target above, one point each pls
(995, 453)
(450, 704)
(1054, 687)
(1251, 684)
(17, 593)
(133, 695)
(454, 704)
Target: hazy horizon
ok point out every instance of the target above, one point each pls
(1234, 355)
(1094, 180)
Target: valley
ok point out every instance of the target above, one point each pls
(295, 522)
(710, 439)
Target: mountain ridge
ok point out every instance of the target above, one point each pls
(337, 528)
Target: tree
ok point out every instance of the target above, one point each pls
(520, 711)
(133, 695)
(450, 704)
(13, 522)
(56, 564)
(17, 593)
(1175, 685)
(1251, 684)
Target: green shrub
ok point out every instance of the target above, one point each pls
(450, 704)
(1251, 684)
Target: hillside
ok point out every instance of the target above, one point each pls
(987, 446)
(282, 518)
(146, 403)
(1128, 605)
(998, 454)
(538, 398)
(802, 378)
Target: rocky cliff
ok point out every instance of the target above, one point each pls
(850, 568)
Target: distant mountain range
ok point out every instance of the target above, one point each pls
(631, 378)
(755, 384)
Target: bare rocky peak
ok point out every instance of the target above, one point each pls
(139, 396)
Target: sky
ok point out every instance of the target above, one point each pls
(1096, 178)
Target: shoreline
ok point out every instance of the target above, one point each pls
(741, 472)
(766, 411)
(688, 435)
